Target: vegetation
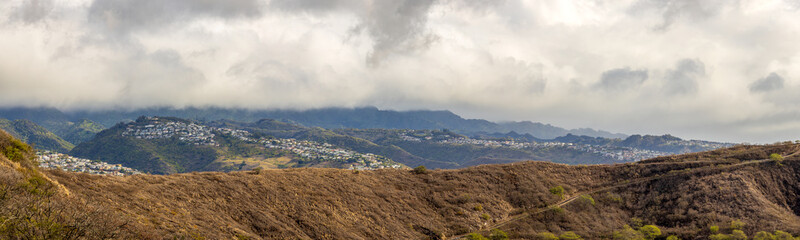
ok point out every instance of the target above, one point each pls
(650, 232)
(569, 236)
(777, 158)
(32, 133)
(420, 170)
(558, 191)
(498, 234)
(315, 203)
(546, 236)
(476, 236)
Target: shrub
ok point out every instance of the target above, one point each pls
(738, 235)
(763, 236)
(673, 237)
(713, 229)
(776, 157)
(476, 236)
(719, 236)
(569, 236)
(420, 170)
(498, 234)
(650, 232)
(737, 225)
(558, 190)
(588, 199)
(636, 223)
(485, 216)
(546, 236)
(478, 207)
(556, 209)
(781, 235)
(627, 233)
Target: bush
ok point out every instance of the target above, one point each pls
(781, 235)
(776, 157)
(546, 236)
(673, 237)
(485, 216)
(570, 236)
(498, 234)
(714, 229)
(558, 190)
(627, 233)
(737, 225)
(588, 199)
(478, 207)
(476, 236)
(420, 170)
(650, 232)
(738, 235)
(719, 236)
(763, 236)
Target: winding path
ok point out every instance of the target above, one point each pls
(577, 195)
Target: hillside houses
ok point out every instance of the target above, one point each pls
(65, 162)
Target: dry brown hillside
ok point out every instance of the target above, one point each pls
(682, 195)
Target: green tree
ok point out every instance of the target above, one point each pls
(569, 236)
(738, 235)
(558, 190)
(673, 237)
(714, 229)
(498, 234)
(763, 236)
(650, 232)
(546, 236)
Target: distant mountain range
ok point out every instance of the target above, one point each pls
(330, 118)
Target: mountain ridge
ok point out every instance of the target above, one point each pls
(362, 118)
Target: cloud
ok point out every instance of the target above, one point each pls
(32, 11)
(634, 66)
(395, 27)
(673, 10)
(621, 79)
(768, 83)
(124, 16)
(683, 79)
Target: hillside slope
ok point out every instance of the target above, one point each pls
(683, 195)
(392, 204)
(36, 135)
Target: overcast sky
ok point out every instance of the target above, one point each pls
(707, 69)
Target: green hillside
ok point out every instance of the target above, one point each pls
(165, 145)
(35, 135)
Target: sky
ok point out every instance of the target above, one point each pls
(725, 70)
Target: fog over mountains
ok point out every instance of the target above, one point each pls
(717, 70)
(326, 118)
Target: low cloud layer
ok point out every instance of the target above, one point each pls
(720, 70)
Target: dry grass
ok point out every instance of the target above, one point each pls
(398, 204)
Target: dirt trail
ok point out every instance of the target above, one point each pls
(577, 195)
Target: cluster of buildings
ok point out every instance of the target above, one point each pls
(65, 162)
(326, 152)
(488, 143)
(156, 128)
(622, 154)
